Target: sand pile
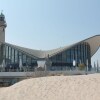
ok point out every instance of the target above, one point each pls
(83, 87)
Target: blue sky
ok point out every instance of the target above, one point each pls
(49, 24)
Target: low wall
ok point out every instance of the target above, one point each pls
(43, 73)
(53, 73)
(9, 78)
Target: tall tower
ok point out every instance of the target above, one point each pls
(2, 28)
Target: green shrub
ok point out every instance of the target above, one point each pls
(81, 66)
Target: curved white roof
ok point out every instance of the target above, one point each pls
(94, 43)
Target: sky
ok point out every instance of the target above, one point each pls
(49, 24)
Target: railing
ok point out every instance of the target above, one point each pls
(27, 69)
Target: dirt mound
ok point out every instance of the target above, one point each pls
(82, 87)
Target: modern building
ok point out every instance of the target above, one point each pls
(16, 58)
(16, 61)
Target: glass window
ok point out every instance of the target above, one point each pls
(20, 56)
(68, 59)
(9, 52)
(12, 55)
(6, 51)
(68, 56)
(24, 58)
(68, 52)
(28, 60)
(16, 56)
(58, 57)
(3, 46)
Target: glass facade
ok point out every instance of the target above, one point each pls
(12, 58)
(79, 53)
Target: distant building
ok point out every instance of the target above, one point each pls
(13, 57)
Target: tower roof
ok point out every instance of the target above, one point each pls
(2, 15)
(2, 20)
